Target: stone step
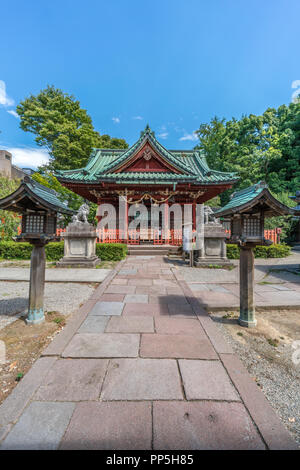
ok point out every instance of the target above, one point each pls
(148, 252)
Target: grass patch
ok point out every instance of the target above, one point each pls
(273, 342)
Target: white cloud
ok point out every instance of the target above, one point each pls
(13, 113)
(5, 100)
(193, 137)
(163, 135)
(116, 120)
(28, 157)
(138, 118)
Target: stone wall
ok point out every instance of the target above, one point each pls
(6, 167)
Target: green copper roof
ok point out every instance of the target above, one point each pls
(103, 163)
(41, 196)
(248, 198)
(244, 196)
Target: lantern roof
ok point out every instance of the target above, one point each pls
(252, 200)
(33, 196)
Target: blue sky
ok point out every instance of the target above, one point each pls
(173, 64)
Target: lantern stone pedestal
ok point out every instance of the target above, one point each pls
(37, 284)
(247, 307)
(80, 246)
(39, 206)
(214, 247)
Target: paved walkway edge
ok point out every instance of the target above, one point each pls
(272, 430)
(17, 401)
(60, 342)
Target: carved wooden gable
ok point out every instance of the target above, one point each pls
(147, 159)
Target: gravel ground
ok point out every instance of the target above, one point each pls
(61, 297)
(271, 367)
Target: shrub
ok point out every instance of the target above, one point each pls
(55, 250)
(272, 251)
(15, 250)
(278, 251)
(261, 252)
(111, 251)
(233, 251)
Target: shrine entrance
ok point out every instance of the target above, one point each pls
(149, 175)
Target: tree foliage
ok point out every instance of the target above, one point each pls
(9, 221)
(265, 147)
(63, 128)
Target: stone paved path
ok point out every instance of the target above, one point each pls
(140, 366)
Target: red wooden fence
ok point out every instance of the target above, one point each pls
(159, 237)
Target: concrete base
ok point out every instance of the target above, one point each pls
(79, 262)
(212, 261)
(248, 324)
(34, 317)
(79, 246)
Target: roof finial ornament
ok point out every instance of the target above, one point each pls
(147, 130)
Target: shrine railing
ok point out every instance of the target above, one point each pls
(157, 237)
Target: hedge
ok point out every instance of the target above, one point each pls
(118, 251)
(55, 250)
(111, 251)
(272, 251)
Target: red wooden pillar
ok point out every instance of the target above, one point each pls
(98, 217)
(126, 222)
(194, 215)
(166, 220)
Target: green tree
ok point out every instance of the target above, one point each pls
(9, 221)
(63, 128)
(265, 147)
(65, 195)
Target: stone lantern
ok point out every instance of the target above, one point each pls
(247, 211)
(39, 207)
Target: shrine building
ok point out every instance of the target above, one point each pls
(147, 173)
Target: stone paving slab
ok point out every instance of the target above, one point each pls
(142, 379)
(176, 309)
(140, 282)
(73, 380)
(167, 299)
(130, 324)
(136, 298)
(94, 324)
(206, 380)
(119, 282)
(112, 297)
(109, 426)
(41, 427)
(145, 309)
(203, 425)
(176, 346)
(156, 290)
(87, 345)
(120, 290)
(179, 326)
(107, 308)
(216, 338)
